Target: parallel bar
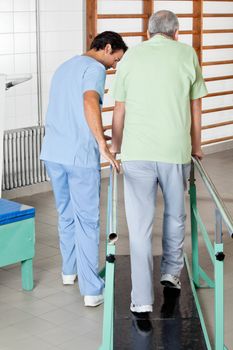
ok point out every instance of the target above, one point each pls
(207, 340)
(212, 110)
(219, 299)
(215, 195)
(217, 125)
(194, 229)
(204, 234)
(206, 278)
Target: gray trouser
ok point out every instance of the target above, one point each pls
(141, 179)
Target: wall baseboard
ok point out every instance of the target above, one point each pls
(46, 186)
(218, 147)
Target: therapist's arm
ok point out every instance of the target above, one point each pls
(117, 126)
(94, 120)
(196, 128)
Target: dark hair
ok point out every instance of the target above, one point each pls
(112, 38)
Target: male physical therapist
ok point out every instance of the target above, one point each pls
(157, 90)
(73, 142)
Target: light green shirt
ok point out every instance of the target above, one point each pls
(157, 79)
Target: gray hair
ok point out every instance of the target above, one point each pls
(163, 22)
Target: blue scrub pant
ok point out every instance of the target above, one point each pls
(77, 195)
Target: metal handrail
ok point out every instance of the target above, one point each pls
(112, 235)
(215, 196)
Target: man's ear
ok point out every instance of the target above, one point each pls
(148, 34)
(176, 35)
(108, 49)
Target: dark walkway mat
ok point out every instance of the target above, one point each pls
(174, 323)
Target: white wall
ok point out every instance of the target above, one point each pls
(61, 23)
(62, 33)
(18, 55)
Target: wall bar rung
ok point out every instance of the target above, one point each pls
(182, 32)
(218, 78)
(107, 127)
(111, 71)
(131, 34)
(212, 110)
(215, 63)
(114, 16)
(128, 34)
(217, 47)
(107, 109)
(185, 15)
(221, 139)
(220, 93)
(218, 15)
(217, 31)
(217, 125)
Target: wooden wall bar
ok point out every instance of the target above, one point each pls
(198, 28)
(91, 21)
(197, 33)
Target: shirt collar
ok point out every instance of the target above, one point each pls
(160, 38)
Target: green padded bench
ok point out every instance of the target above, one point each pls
(17, 238)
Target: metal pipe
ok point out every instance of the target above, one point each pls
(38, 61)
(215, 196)
(112, 236)
(12, 80)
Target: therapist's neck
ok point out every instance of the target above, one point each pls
(97, 55)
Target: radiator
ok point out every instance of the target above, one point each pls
(21, 151)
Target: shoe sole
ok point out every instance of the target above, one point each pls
(94, 305)
(170, 284)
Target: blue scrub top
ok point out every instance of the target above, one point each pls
(68, 139)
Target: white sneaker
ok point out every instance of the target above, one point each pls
(170, 281)
(141, 308)
(68, 279)
(93, 300)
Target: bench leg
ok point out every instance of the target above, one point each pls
(27, 274)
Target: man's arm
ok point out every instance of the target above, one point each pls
(196, 128)
(94, 120)
(117, 126)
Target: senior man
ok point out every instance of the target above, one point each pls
(157, 90)
(74, 139)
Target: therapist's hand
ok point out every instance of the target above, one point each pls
(105, 152)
